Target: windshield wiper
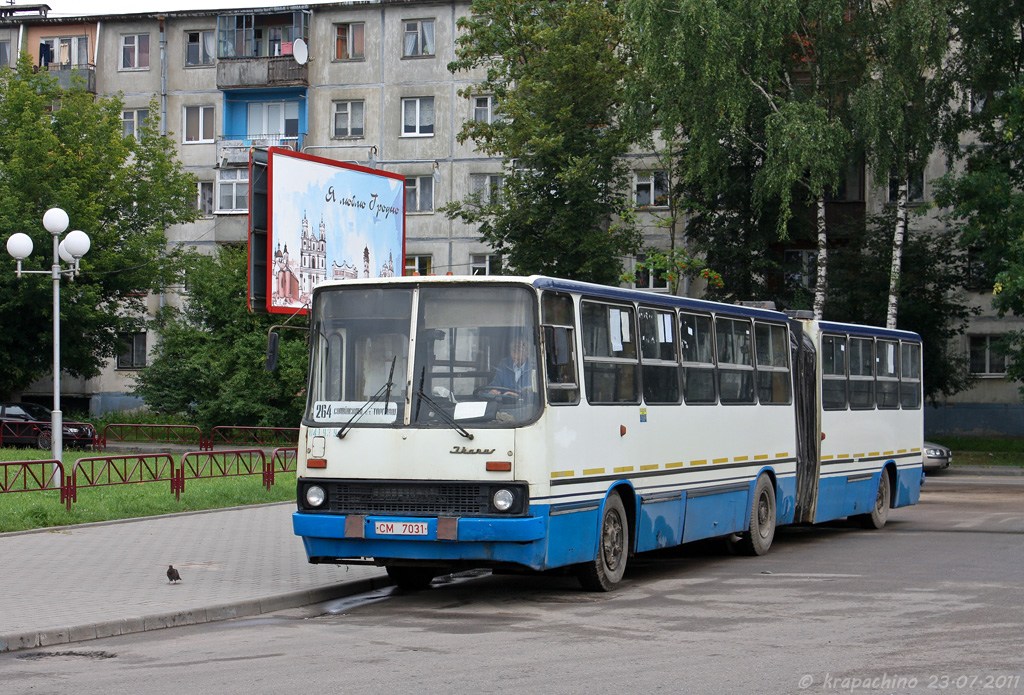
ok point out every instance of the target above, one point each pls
(448, 419)
(439, 410)
(385, 389)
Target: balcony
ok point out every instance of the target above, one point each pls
(68, 75)
(261, 72)
(233, 150)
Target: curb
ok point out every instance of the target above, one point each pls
(980, 470)
(228, 611)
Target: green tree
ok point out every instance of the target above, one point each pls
(209, 363)
(557, 75)
(66, 148)
(720, 78)
(932, 300)
(985, 198)
(898, 102)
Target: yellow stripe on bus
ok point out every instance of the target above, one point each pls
(740, 459)
(699, 462)
(782, 455)
(561, 474)
(623, 469)
(593, 471)
(721, 460)
(649, 467)
(761, 457)
(674, 464)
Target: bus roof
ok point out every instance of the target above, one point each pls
(556, 284)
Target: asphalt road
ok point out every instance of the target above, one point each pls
(932, 603)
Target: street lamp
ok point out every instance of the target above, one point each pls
(71, 249)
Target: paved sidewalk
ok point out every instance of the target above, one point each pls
(98, 580)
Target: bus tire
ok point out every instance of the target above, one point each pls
(759, 538)
(411, 578)
(879, 514)
(605, 571)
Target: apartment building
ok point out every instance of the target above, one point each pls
(365, 82)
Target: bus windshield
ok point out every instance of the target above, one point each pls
(473, 353)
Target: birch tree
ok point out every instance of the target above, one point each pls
(725, 76)
(897, 105)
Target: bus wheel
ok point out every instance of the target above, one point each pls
(411, 578)
(606, 570)
(759, 538)
(879, 513)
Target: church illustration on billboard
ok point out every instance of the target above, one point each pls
(293, 285)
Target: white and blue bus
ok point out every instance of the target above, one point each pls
(433, 441)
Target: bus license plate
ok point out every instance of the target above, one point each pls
(400, 528)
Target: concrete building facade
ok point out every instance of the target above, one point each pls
(365, 82)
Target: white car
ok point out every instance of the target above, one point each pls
(936, 457)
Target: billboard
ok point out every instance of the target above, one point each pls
(324, 220)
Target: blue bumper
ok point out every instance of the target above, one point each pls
(333, 537)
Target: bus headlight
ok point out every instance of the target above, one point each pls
(315, 495)
(503, 500)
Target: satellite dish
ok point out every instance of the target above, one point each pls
(300, 51)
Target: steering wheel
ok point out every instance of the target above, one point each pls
(497, 392)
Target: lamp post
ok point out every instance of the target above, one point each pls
(71, 249)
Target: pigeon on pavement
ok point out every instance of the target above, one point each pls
(172, 574)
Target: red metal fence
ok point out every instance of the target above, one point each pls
(131, 469)
(33, 476)
(254, 436)
(188, 435)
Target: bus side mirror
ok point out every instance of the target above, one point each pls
(557, 340)
(272, 348)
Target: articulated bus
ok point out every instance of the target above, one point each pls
(634, 421)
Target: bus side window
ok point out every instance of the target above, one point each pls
(558, 318)
(910, 376)
(735, 361)
(698, 355)
(773, 378)
(833, 372)
(658, 350)
(862, 376)
(887, 381)
(610, 363)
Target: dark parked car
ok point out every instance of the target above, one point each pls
(29, 424)
(936, 457)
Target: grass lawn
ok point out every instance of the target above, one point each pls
(36, 509)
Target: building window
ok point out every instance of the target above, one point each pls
(419, 194)
(651, 189)
(418, 265)
(483, 109)
(199, 47)
(273, 121)
(915, 188)
(204, 198)
(348, 41)
(418, 116)
(233, 190)
(133, 351)
(801, 268)
(418, 38)
(985, 356)
(348, 119)
(133, 120)
(199, 124)
(5, 53)
(649, 278)
(66, 51)
(135, 52)
(486, 187)
(485, 264)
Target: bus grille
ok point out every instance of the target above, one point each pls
(427, 499)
